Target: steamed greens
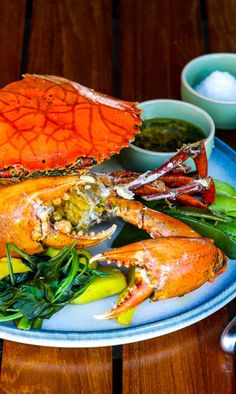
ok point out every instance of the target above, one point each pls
(52, 282)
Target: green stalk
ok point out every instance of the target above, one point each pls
(10, 317)
(84, 269)
(37, 323)
(67, 281)
(24, 323)
(9, 262)
(17, 250)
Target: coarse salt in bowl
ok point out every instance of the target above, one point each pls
(209, 82)
(219, 85)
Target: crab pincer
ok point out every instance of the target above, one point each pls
(165, 268)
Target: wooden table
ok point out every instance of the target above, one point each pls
(134, 49)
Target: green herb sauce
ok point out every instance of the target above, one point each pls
(167, 135)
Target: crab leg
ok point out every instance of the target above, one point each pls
(196, 151)
(185, 199)
(157, 224)
(170, 185)
(184, 185)
(192, 187)
(166, 267)
(208, 193)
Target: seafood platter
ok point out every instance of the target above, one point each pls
(64, 199)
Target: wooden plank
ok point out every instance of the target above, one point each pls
(32, 369)
(73, 38)
(12, 16)
(222, 33)
(157, 39)
(187, 361)
(227, 137)
(222, 25)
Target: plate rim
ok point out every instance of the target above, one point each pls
(125, 334)
(119, 336)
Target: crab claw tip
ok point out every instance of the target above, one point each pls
(105, 316)
(95, 258)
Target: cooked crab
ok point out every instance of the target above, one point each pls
(52, 131)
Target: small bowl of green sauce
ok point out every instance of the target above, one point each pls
(167, 126)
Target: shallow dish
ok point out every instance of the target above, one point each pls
(222, 112)
(138, 159)
(75, 326)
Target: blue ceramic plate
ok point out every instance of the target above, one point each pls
(75, 325)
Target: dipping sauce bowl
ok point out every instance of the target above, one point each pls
(139, 159)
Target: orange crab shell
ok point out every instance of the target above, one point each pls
(49, 122)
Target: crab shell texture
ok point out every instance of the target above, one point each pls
(48, 122)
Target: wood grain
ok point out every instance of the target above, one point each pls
(12, 19)
(157, 39)
(187, 361)
(40, 370)
(228, 136)
(73, 38)
(222, 33)
(222, 25)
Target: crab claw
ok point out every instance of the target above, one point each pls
(48, 211)
(137, 293)
(166, 267)
(59, 240)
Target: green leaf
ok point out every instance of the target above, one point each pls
(216, 231)
(223, 204)
(224, 188)
(29, 298)
(9, 317)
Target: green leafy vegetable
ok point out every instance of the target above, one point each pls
(52, 283)
(224, 188)
(224, 204)
(215, 225)
(225, 200)
(212, 230)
